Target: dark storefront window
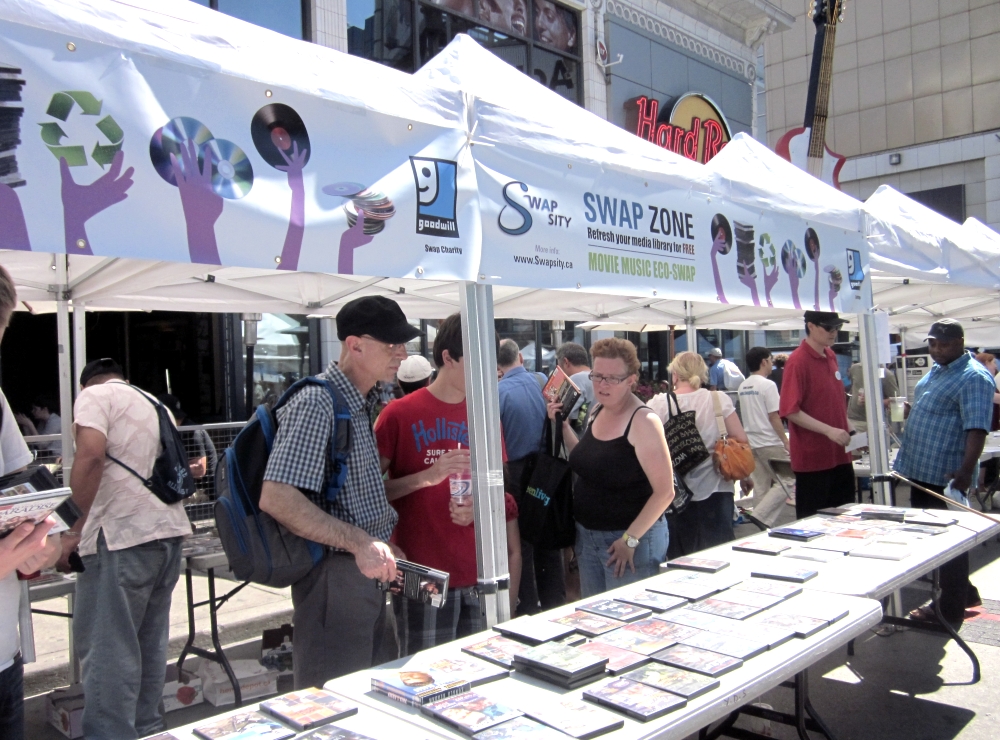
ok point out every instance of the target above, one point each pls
(284, 16)
(538, 37)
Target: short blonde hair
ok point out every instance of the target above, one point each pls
(985, 358)
(691, 368)
(617, 349)
(8, 296)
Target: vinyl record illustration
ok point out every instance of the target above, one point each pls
(343, 189)
(377, 207)
(811, 240)
(274, 129)
(171, 138)
(793, 258)
(232, 175)
(722, 234)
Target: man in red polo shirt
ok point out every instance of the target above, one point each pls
(814, 405)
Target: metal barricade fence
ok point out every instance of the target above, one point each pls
(200, 507)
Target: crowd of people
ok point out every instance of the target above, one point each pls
(397, 502)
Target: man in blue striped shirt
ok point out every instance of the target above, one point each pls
(945, 432)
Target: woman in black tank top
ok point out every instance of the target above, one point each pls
(624, 477)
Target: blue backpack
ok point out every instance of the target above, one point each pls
(258, 547)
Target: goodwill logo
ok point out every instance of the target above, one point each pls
(515, 218)
(855, 271)
(437, 196)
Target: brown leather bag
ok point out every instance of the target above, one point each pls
(733, 460)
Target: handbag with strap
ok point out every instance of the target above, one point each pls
(733, 460)
(545, 511)
(687, 448)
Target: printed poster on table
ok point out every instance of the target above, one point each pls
(549, 223)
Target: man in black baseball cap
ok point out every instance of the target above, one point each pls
(339, 614)
(813, 403)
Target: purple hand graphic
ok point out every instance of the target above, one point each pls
(748, 279)
(716, 249)
(297, 217)
(202, 205)
(13, 229)
(793, 280)
(81, 202)
(770, 278)
(353, 238)
(836, 280)
(816, 270)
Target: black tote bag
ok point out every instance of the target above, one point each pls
(545, 515)
(687, 448)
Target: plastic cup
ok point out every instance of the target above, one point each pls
(460, 485)
(896, 405)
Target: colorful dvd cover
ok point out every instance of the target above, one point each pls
(794, 533)
(498, 650)
(575, 718)
(470, 712)
(588, 624)
(613, 609)
(734, 647)
(770, 588)
(308, 708)
(760, 547)
(802, 626)
(703, 565)
(574, 640)
(635, 699)
(563, 660)
(619, 660)
(517, 728)
(748, 598)
(700, 661)
(651, 600)
(244, 726)
(727, 609)
(415, 687)
(332, 732)
(676, 681)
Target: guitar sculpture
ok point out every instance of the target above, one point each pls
(805, 147)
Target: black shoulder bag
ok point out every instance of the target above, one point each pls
(545, 514)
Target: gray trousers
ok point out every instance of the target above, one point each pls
(121, 624)
(768, 496)
(339, 619)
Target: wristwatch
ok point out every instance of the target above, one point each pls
(630, 541)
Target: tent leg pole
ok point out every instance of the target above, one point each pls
(79, 343)
(482, 402)
(874, 410)
(692, 332)
(65, 369)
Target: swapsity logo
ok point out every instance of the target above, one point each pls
(437, 196)
(516, 218)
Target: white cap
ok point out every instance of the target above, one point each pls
(715, 352)
(413, 369)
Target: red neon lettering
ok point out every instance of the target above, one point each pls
(646, 128)
(713, 139)
(663, 135)
(691, 140)
(678, 143)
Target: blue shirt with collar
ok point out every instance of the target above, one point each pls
(522, 412)
(949, 401)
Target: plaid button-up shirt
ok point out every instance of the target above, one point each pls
(949, 401)
(301, 455)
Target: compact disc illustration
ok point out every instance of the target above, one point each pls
(377, 207)
(171, 138)
(275, 128)
(343, 189)
(811, 240)
(793, 258)
(232, 174)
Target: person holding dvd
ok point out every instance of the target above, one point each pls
(624, 478)
(707, 520)
(26, 549)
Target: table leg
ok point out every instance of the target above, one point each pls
(216, 642)
(75, 676)
(25, 625)
(191, 628)
(802, 687)
(976, 673)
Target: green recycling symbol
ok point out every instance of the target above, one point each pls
(60, 107)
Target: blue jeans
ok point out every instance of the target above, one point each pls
(12, 701)
(121, 624)
(592, 554)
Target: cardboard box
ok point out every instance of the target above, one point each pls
(181, 691)
(64, 710)
(254, 679)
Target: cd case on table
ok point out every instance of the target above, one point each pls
(760, 547)
(308, 708)
(563, 660)
(517, 728)
(675, 680)
(698, 660)
(637, 700)
(703, 565)
(619, 659)
(533, 630)
(615, 609)
(654, 601)
(575, 718)
(589, 624)
(802, 626)
(499, 650)
(244, 726)
(415, 687)
(470, 712)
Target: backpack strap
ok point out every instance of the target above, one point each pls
(147, 482)
(719, 421)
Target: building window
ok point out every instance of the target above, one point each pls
(289, 17)
(538, 37)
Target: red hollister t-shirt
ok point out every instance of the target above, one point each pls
(413, 432)
(812, 384)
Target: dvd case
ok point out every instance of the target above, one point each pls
(519, 727)
(470, 712)
(499, 650)
(332, 732)
(793, 575)
(654, 601)
(619, 660)
(770, 588)
(419, 583)
(560, 388)
(802, 626)
(415, 687)
(588, 624)
(244, 726)
(734, 647)
(794, 533)
(700, 661)
(23, 506)
(727, 609)
(748, 598)
(563, 660)
(760, 547)
(703, 565)
(308, 708)
(575, 718)
(533, 630)
(614, 609)
(676, 681)
(637, 700)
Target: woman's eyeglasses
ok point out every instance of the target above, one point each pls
(609, 379)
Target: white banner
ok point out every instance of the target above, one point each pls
(548, 223)
(112, 152)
